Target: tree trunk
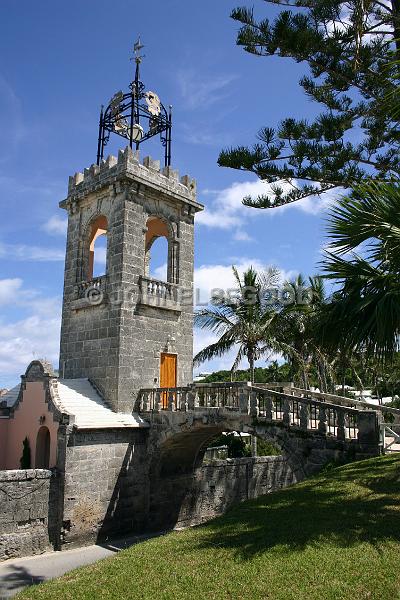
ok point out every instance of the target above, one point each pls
(358, 378)
(305, 378)
(250, 358)
(254, 445)
(304, 372)
(324, 383)
(343, 365)
(396, 24)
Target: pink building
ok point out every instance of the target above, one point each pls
(34, 409)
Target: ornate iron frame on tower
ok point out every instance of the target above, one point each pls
(125, 114)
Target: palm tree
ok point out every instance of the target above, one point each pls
(365, 259)
(296, 332)
(245, 323)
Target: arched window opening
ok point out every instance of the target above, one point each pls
(42, 456)
(157, 250)
(158, 259)
(100, 255)
(98, 248)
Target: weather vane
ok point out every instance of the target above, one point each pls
(136, 49)
(137, 115)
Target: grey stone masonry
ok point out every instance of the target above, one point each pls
(106, 484)
(190, 499)
(28, 509)
(111, 331)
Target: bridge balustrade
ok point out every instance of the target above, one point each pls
(307, 414)
(384, 411)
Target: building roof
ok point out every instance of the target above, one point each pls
(79, 398)
(11, 396)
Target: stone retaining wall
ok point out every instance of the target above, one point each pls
(28, 512)
(214, 487)
(109, 490)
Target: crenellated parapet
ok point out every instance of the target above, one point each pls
(129, 167)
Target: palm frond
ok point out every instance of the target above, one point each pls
(238, 360)
(216, 318)
(370, 214)
(365, 312)
(219, 348)
(247, 322)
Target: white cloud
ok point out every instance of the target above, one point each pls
(344, 22)
(11, 120)
(100, 256)
(160, 272)
(204, 134)
(28, 253)
(202, 339)
(56, 225)
(220, 277)
(315, 205)
(213, 277)
(12, 293)
(35, 335)
(226, 210)
(201, 93)
(22, 341)
(9, 289)
(242, 236)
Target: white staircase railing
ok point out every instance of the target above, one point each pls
(389, 438)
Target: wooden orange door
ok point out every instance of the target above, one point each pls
(167, 374)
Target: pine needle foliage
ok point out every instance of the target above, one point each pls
(352, 51)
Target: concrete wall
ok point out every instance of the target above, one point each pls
(28, 512)
(192, 499)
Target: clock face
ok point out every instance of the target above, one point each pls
(121, 126)
(115, 103)
(153, 103)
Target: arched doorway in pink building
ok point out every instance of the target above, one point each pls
(42, 454)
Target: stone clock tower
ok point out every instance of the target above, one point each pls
(124, 330)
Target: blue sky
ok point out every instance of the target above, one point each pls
(59, 61)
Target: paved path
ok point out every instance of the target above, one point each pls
(18, 573)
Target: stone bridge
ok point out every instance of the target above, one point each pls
(310, 433)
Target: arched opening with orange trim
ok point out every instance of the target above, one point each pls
(159, 251)
(97, 259)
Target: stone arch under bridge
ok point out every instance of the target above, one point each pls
(309, 433)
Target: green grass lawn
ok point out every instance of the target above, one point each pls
(336, 536)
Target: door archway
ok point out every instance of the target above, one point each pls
(42, 454)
